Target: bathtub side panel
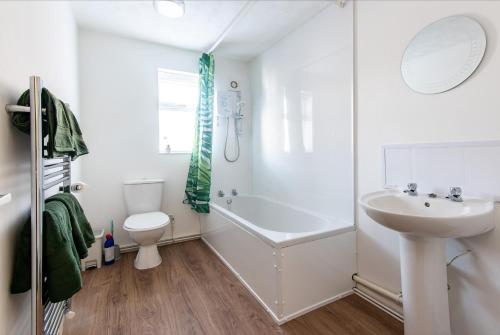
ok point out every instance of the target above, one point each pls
(252, 260)
(316, 273)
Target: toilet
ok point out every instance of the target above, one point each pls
(145, 223)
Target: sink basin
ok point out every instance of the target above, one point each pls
(433, 217)
(424, 223)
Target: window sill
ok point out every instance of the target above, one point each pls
(175, 153)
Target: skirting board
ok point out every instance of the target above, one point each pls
(268, 310)
(135, 247)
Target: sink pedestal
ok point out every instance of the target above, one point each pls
(424, 285)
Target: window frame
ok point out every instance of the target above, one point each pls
(159, 109)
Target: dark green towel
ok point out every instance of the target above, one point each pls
(58, 123)
(83, 236)
(65, 239)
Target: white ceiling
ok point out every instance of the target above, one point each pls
(265, 23)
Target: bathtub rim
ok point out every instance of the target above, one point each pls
(340, 226)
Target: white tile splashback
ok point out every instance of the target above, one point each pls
(435, 167)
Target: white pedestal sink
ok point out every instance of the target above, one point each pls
(424, 223)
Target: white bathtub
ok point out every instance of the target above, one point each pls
(290, 259)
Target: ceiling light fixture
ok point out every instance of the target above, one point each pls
(169, 8)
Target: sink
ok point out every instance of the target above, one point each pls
(424, 216)
(424, 223)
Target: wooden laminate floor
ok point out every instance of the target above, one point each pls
(192, 292)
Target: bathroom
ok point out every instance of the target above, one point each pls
(315, 130)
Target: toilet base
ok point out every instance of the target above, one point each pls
(148, 257)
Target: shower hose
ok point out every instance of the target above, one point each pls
(226, 156)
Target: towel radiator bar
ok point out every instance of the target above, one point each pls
(55, 174)
(19, 109)
(45, 319)
(54, 165)
(53, 316)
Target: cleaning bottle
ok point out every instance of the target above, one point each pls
(109, 250)
(117, 247)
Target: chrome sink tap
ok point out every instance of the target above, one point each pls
(455, 194)
(412, 189)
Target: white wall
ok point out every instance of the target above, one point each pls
(118, 90)
(225, 175)
(302, 141)
(36, 38)
(389, 112)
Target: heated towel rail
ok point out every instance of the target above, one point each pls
(45, 175)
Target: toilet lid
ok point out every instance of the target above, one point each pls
(146, 221)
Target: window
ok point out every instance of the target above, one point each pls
(177, 100)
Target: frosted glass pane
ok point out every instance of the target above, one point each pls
(177, 99)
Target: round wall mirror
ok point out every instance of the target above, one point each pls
(443, 55)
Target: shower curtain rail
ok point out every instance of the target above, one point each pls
(242, 12)
(45, 319)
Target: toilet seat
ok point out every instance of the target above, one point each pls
(146, 221)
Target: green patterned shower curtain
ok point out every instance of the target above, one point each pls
(200, 168)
